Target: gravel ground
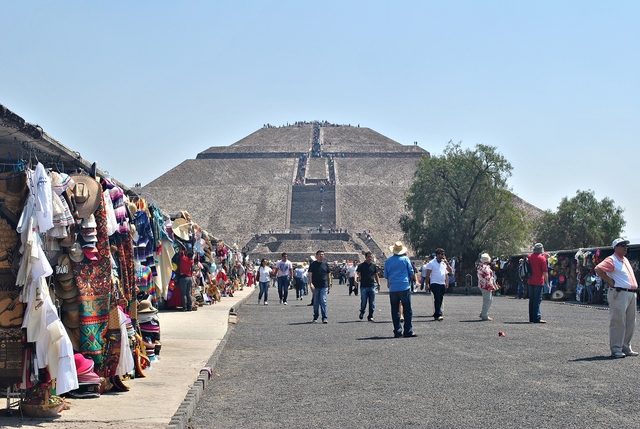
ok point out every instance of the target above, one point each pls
(279, 370)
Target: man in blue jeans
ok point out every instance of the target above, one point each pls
(319, 280)
(284, 273)
(539, 278)
(367, 274)
(398, 271)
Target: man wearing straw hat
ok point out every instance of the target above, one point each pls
(616, 272)
(398, 271)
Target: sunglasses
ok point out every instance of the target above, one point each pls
(622, 245)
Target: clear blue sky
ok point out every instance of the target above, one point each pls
(140, 86)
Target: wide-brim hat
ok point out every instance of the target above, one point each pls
(68, 305)
(63, 268)
(67, 294)
(145, 306)
(538, 248)
(74, 336)
(180, 227)
(87, 192)
(71, 319)
(398, 248)
(75, 252)
(485, 258)
(83, 365)
(67, 284)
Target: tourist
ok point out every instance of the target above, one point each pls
(185, 281)
(520, 281)
(351, 276)
(616, 272)
(319, 280)
(538, 279)
(423, 275)
(398, 272)
(487, 284)
(367, 275)
(284, 274)
(263, 276)
(298, 279)
(438, 279)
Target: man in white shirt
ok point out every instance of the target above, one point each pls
(617, 274)
(438, 279)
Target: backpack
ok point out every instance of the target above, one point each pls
(524, 270)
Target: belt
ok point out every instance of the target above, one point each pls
(622, 289)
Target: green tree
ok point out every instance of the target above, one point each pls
(581, 221)
(461, 201)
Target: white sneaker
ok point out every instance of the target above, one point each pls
(266, 303)
(285, 303)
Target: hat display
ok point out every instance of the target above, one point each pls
(91, 253)
(75, 252)
(63, 268)
(71, 319)
(538, 248)
(398, 248)
(89, 222)
(87, 192)
(67, 294)
(180, 228)
(485, 258)
(67, 284)
(619, 241)
(145, 306)
(68, 305)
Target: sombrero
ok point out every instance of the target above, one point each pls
(63, 268)
(67, 284)
(75, 252)
(67, 294)
(87, 193)
(180, 228)
(69, 305)
(71, 319)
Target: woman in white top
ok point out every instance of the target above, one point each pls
(263, 278)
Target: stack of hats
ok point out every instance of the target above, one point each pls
(149, 327)
(88, 381)
(67, 293)
(89, 238)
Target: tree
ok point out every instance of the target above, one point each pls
(461, 201)
(581, 221)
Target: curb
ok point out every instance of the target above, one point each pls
(188, 406)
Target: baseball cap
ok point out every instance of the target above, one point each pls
(619, 241)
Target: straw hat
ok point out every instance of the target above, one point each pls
(180, 228)
(71, 319)
(485, 258)
(87, 192)
(63, 268)
(67, 294)
(145, 306)
(398, 248)
(67, 284)
(69, 305)
(75, 252)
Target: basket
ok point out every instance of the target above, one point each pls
(42, 410)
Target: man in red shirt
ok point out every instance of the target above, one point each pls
(616, 272)
(539, 277)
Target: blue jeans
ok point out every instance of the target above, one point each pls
(264, 290)
(396, 298)
(299, 287)
(368, 294)
(320, 300)
(535, 299)
(520, 290)
(186, 285)
(438, 297)
(283, 288)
